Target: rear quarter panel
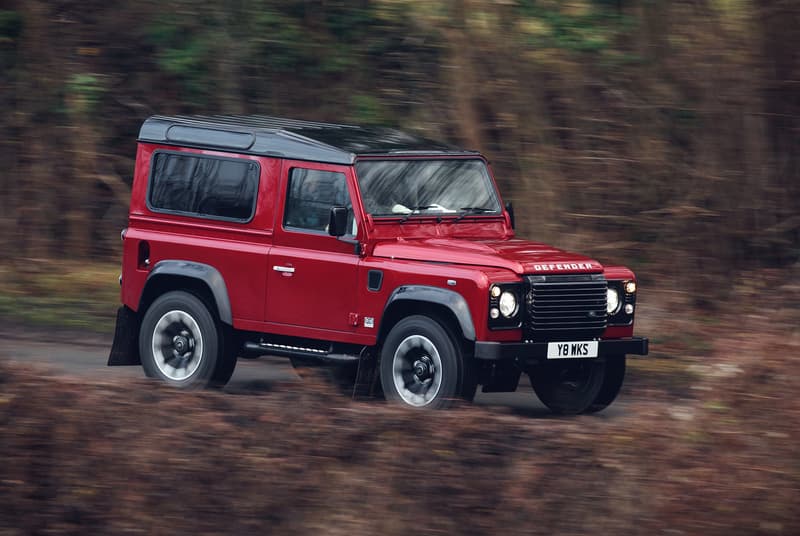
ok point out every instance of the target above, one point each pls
(237, 250)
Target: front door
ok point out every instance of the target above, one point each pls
(312, 275)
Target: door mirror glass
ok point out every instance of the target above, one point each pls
(337, 225)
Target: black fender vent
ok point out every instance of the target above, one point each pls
(374, 280)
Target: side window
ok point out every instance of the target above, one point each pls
(311, 194)
(211, 187)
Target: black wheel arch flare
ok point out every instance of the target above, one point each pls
(450, 300)
(198, 271)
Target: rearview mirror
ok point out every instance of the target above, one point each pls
(337, 225)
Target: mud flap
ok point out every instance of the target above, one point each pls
(501, 377)
(125, 348)
(367, 384)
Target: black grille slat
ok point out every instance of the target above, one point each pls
(578, 305)
(582, 295)
(541, 320)
(566, 327)
(563, 324)
(583, 312)
(565, 307)
(587, 291)
(557, 322)
(555, 311)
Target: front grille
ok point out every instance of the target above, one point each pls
(565, 307)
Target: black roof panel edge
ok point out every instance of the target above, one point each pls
(288, 138)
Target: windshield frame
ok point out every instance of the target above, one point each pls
(456, 215)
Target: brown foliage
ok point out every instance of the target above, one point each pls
(111, 457)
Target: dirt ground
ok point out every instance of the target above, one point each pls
(707, 445)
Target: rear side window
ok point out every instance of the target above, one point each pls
(205, 186)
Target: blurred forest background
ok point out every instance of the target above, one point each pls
(663, 134)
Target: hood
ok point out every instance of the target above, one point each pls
(520, 256)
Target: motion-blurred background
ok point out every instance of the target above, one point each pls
(660, 134)
(665, 134)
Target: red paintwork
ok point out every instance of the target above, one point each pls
(519, 256)
(327, 291)
(322, 290)
(238, 251)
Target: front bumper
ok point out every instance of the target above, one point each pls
(537, 351)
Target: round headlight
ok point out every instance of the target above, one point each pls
(508, 304)
(630, 287)
(612, 301)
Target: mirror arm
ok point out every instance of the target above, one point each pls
(357, 249)
(510, 211)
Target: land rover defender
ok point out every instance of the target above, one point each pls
(385, 254)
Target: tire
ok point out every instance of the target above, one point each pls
(568, 388)
(182, 344)
(422, 365)
(229, 354)
(612, 383)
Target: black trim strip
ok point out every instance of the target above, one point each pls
(537, 351)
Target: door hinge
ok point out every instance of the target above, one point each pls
(352, 319)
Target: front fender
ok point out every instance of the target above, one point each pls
(451, 300)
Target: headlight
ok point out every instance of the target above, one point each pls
(508, 304)
(612, 301)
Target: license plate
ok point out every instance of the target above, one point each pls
(571, 350)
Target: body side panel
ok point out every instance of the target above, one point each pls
(312, 275)
(237, 251)
(470, 283)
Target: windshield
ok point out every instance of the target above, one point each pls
(409, 187)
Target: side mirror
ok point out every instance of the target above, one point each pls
(337, 224)
(510, 210)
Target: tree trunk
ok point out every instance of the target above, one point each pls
(460, 77)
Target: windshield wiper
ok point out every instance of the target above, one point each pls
(415, 210)
(467, 211)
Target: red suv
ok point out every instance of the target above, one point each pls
(373, 249)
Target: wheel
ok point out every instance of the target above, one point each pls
(568, 388)
(181, 343)
(423, 365)
(612, 383)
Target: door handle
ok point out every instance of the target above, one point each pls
(284, 269)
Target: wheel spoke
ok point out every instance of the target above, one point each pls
(177, 345)
(417, 370)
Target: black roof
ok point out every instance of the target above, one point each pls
(288, 138)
